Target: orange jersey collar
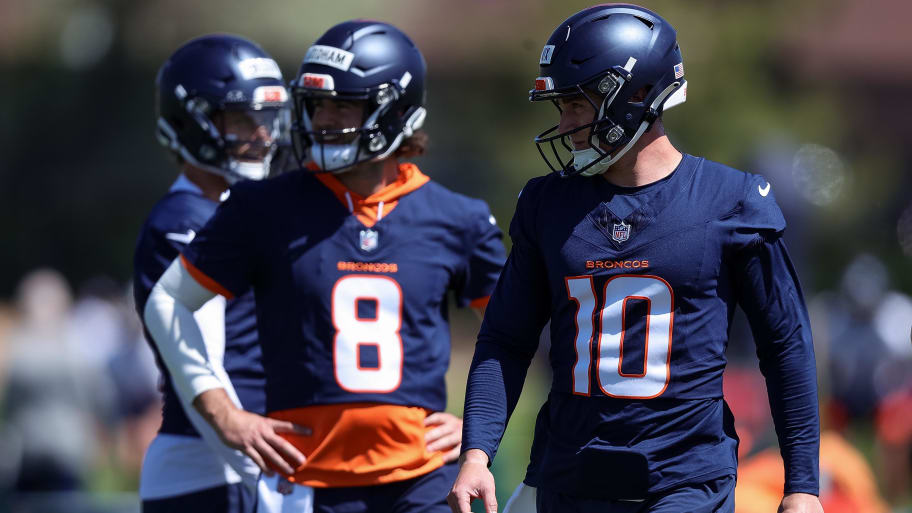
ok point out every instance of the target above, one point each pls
(368, 210)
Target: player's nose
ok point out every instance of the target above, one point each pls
(322, 118)
(567, 122)
(262, 135)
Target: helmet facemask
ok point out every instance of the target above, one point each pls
(234, 139)
(382, 128)
(251, 139)
(610, 135)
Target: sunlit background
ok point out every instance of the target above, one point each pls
(816, 97)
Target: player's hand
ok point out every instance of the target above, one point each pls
(800, 503)
(446, 435)
(474, 481)
(254, 435)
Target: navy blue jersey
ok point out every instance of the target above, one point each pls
(171, 225)
(640, 305)
(349, 312)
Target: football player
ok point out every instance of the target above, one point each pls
(640, 254)
(221, 107)
(351, 268)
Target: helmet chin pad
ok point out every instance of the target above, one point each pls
(248, 171)
(334, 157)
(595, 161)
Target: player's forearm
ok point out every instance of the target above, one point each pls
(792, 387)
(168, 315)
(211, 320)
(774, 305)
(214, 405)
(202, 411)
(494, 385)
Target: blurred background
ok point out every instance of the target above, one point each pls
(813, 96)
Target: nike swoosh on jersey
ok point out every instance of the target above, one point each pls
(183, 238)
(764, 190)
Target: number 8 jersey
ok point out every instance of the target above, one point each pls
(351, 297)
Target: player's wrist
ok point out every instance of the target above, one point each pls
(800, 495)
(214, 405)
(474, 456)
(799, 502)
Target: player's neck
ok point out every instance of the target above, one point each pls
(370, 177)
(211, 184)
(652, 158)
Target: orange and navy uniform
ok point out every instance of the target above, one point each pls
(640, 286)
(351, 297)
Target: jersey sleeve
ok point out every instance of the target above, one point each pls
(758, 217)
(486, 255)
(770, 295)
(516, 314)
(171, 225)
(221, 255)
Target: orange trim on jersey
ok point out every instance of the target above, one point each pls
(410, 178)
(360, 444)
(207, 282)
(481, 302)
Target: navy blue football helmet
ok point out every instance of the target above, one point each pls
(210, 90)
(624, 56)
(359, 60)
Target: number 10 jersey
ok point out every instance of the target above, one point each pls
(640, 285)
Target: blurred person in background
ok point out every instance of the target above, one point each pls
(222, 107)
(108, 336)
(54, 401)
(351, 268)
(136, 378)
(639, 255)
(862, 336)
(847, 483)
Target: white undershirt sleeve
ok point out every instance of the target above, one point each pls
(169, 319)
(187, 324)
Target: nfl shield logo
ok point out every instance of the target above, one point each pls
(369, 240)
(621, 232)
